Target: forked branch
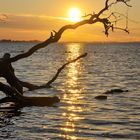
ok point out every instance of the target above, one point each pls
(48, 84)
(92, 19)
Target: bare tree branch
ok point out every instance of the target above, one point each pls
(48, 84)
(119, 28)
(124, 1)
(93, 18)
(55, 36)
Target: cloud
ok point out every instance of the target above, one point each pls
(30, 27)
(33, 22)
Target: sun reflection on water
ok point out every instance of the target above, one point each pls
(73, 93)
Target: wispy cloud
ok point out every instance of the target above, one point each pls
(3, 17)
(32, 22)
(30, 27)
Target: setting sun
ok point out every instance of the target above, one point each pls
(74, 14)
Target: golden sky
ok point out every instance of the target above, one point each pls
(35, 19)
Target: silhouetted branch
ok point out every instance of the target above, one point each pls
(55, 36)
(62, 67)
(87, 15)
(119, 28)
(48, 84)
(124, 1)
(21, 101)
(10, 92)
(15, 96)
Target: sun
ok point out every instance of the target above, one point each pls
(74, 14)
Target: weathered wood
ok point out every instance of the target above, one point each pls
(101, 97)
(93, 18)
(31, 101)
(113, 91)
(21, 101)
(48, 84)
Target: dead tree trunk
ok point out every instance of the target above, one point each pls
(21, 101)
(108, 22)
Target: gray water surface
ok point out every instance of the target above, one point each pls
(79, 116)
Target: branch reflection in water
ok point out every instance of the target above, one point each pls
(73, 93)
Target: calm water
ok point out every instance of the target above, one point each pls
(79, 116)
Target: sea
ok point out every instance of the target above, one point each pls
(78, 116)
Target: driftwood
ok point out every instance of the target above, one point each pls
(48, 84)
(101, 97)
(108, 22)
(31, 101)
(21, 101)
(112, 91)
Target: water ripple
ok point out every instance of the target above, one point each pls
(79, 116)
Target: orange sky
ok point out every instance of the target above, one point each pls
(34, 20)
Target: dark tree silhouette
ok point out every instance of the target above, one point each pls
(108, 21)
(93, 18)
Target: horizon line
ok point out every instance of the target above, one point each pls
(11, 40)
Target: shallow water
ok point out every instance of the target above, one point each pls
(79, 116)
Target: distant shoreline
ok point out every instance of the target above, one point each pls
(9, 40)
(37, 41)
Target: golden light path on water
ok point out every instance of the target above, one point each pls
(73, 92)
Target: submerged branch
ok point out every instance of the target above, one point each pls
(15, 96)
(62, 67)
(22, 101)
(48, 84)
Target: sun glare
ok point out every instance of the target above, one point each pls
(74, 14)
